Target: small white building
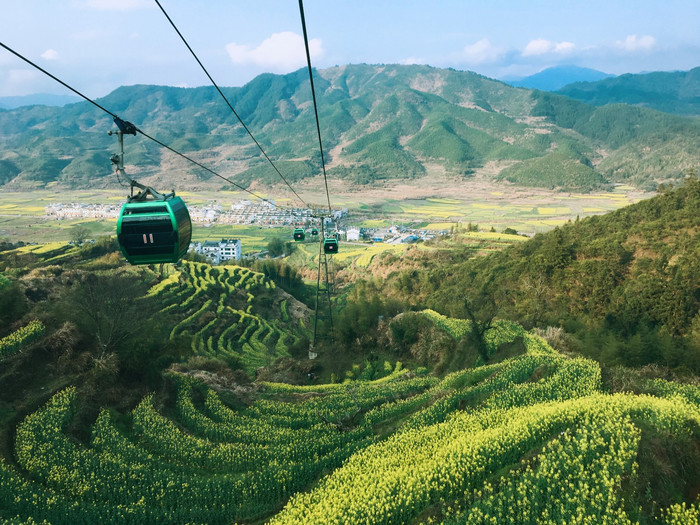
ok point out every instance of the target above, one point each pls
(353, 234)
(230, 249)
(221, 251)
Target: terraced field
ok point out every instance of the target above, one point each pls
(530, 439)
(220, 308)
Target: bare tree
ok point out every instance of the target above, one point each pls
(537, 294)
(79, 234)
(481, 304)
(110, 308)
(482, 317)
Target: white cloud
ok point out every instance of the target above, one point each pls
(564, 47)
(480, 52)
(410, 61)
(50, 54)
(541, 46)
(635, 43)
(280, 52)
(118, 5)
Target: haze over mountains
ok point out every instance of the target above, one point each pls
(554, 78)
(378, 122)
(45, 99)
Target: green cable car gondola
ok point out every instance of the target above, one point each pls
(299, 234)
(314, 231)
(330, 245)
(154, 230)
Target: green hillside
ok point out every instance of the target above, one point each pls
(554, 380)
(379, 122)
(675, 92)
(624, 286)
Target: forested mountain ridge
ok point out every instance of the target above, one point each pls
(675, 92)
(377, 121)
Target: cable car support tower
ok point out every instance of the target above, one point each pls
(328, 245)
(323, 293)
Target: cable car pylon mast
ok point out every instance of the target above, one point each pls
(323, 293)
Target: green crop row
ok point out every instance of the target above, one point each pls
(20, 338)
(465, 448)
(590, 443)
(198, 288)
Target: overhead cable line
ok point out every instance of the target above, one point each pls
(229, 103)
(313, 96)
(116, 118)
(57, 79)
(322, 252)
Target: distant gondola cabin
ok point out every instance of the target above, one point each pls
(154, 231)
(299, 234)
(330, 245)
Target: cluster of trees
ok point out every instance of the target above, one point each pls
(102, 331)
(625, 286)
(285, 276)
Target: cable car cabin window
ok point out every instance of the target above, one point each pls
(145, 209)
(148, 236)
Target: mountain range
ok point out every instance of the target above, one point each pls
(673, 92)
(554, 78)
(378, 122)
(45, 99)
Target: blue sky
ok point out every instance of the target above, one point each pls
(98, 45)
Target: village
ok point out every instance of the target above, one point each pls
(246, 212)
(243, 212)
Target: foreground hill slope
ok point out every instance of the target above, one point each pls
(157, 428)
(527, 439)
(377, 121)
(626, 284)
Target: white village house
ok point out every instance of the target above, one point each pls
(353, 234)
(219, 251)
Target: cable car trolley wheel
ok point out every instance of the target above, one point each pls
(156, 230)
